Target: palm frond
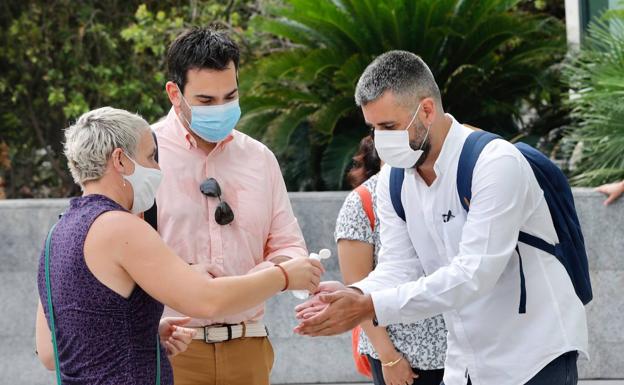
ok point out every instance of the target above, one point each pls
(488, 58)
(280, 129)
(595, 76)
(337, 158)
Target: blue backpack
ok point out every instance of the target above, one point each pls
(570, 250)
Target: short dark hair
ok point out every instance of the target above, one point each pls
(199, 48)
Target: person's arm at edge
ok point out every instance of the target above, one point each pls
(43, 339)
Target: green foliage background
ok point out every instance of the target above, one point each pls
(60, 58)
(494, 63)
(596, 79)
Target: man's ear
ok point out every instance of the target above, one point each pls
(174, 93)
(429, 108)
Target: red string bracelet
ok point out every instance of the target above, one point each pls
(285, 276)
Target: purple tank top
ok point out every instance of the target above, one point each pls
(102, 337)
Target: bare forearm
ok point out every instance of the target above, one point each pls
(230, 295)
(356, 262)
(380, 340)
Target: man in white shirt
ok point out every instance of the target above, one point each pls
(444, 260)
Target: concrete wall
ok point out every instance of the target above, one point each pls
(23, 226)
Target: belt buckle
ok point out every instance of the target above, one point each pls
(206, 334)
(206, 339)
(207, 327)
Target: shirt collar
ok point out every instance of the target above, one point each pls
(452, 145)
(183, 137)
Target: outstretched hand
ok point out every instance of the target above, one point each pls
(314, 304)
(344, 310)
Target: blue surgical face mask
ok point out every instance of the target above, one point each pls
(213, 123)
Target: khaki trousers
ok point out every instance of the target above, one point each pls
(243, 361)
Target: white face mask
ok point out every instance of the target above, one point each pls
(145, 182)
(393, 146)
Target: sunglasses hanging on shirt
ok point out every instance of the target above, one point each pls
(223, 214)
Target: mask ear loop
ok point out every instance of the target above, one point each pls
(428, 127)
(413, 117)
(187, 104)
(426, 136)
(132, 160)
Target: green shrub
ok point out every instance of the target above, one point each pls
(491, 61)
(61, 58)
(596, 78)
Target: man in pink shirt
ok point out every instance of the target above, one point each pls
(222, 204)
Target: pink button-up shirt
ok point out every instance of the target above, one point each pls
(264, 225)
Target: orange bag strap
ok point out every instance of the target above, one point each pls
(367, 204)
(361, 361)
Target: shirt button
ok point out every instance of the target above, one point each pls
(219, 260)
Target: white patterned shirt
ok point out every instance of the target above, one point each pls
(423, 343)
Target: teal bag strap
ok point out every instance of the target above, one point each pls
(51, 315)
(50, 308)
(157, 359)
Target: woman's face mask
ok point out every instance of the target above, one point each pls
(213, 123)
(394, 148)
(145, 182)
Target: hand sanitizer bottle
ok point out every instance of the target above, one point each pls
(323, 254)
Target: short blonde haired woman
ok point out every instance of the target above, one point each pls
(110, 272)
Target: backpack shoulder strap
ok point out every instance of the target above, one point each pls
(473, 146)
(151, 215)
(367, 203)
(396, 185)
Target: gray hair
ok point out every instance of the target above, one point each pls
(403, 73)
(90, 142)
